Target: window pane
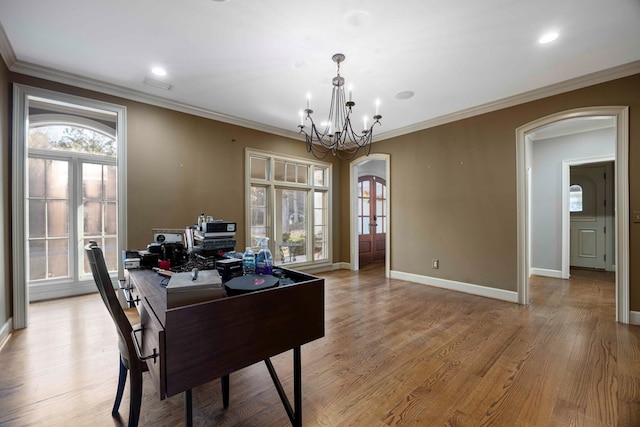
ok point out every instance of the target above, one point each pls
(110, 250)
(319, 176)
(278, 173)
(57, 218)
(57, 179)
(320, 225)
(365, 225)
(379, 207)
(290, 172)
(303, 174)
(92, 218)
(258, 213)
(36, 177)
(110, 182)
(58, 256)
(258, 168)
(575, 198)
(72, 139)
(92, 181)
(110, 218)
(37, 260)
(37, 218)
(292, 224)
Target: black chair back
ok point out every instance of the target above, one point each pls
(110, 299)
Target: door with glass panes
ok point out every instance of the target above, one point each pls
(71, 200)
(372, 219)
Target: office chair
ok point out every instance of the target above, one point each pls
(129, 361)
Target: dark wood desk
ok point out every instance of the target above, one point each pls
(197, 343)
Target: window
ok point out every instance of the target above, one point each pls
(287, 200)
(575, 198)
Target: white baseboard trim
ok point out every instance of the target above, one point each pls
(4, 332)
(46, 292)
(313, 269)
(556, 274)
(468, 288)
(634, 317)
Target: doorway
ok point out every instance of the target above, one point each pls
(372, 219)
(591, 240)
(369, 211)
(69, 187)
(524, 164)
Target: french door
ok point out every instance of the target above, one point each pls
(68, 189)
(372, 219)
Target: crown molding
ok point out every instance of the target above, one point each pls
(603, 76)
(133, 95)
(6, 51)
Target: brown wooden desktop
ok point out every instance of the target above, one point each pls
(191, 345)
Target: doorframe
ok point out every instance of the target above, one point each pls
(566, 217)
(621, 176)
(21, 95)
(353, 209)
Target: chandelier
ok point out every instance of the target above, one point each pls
(336, 135)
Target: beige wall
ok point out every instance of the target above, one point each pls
(453, 190)
(453, 187)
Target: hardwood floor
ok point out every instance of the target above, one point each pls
(394, 353)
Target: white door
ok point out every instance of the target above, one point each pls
(587, 209)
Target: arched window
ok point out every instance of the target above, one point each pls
(575, 198)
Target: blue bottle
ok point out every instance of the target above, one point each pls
(264, 260)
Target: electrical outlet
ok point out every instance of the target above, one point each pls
(435, 263)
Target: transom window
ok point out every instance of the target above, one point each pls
(288, 202)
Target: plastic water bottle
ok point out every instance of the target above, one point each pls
(264, 260)
(248, 261)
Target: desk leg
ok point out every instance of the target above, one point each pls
(188, 409)
(297, 387)
(295, 413)
(225, 391)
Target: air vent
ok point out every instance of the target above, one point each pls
(157, 83)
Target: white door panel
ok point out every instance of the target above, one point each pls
(588, 217)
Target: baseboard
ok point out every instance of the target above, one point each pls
(47, 291)
(556, 274)
(634, 317)
(313, 269)
(4, 332)
(468, 288)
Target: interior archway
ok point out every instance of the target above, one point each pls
(523, 177)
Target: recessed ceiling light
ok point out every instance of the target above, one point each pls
(548, 38)
(159, 71)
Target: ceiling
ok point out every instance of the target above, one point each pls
(253, 62)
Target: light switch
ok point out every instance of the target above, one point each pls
(636, 216)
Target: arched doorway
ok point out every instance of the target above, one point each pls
(373, 165)
(372, 219)
(621, 176)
